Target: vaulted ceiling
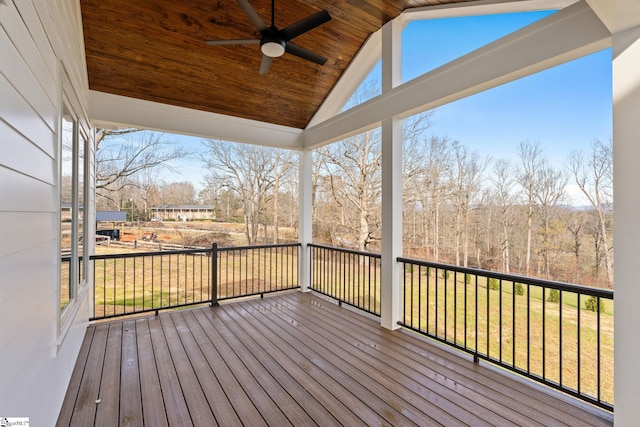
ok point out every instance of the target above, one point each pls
(155, 50)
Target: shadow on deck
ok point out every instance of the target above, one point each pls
(293, 359)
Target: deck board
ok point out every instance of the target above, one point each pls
(174, 401)
(68, 405)
(130, 386)
(199, 408)
(293, 359)
(85, 409)
(217, 400)
(109, 395)
(238, 398)
(272, 360)
(154, 413)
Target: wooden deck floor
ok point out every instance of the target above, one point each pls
(291, 359)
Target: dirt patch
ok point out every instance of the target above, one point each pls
(205, 240)
(196, 233)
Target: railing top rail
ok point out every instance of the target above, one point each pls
(350, 251)
(153, 253)
(248, 247)
(561, 286)
(187, 251)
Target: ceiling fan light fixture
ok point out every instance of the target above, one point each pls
(273, 48)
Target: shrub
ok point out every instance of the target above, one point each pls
(494, 284)
(467, 278)
(445, 274)
(427, 271)
(519, 289)
(592, 304)
(554, 296)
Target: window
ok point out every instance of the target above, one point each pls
(73, 194)
(68, 127)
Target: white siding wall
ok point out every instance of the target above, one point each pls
(36, 36)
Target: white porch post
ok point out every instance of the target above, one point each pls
(390, 292)
(626, 157)
(305, 217)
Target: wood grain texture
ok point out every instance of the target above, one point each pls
(296, 359)
(154, 50)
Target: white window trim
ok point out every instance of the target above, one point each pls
(68, 99)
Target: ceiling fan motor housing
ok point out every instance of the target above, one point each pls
(272, 46)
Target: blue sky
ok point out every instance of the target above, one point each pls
(564, 108)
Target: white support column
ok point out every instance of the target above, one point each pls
(626, 156)
(305, 217)
(390, 292)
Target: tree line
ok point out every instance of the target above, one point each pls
(461, 208)
(505, 215)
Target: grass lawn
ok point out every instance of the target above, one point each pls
(128, 285)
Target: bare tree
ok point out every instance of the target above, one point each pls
(356, 161)
(178, 193)
(123, 153)
(147, 182)
(283, 165)
(435, 187)
(414, 160)
(574, 222)
(530, 155)
(247, 170)
(548, 191)
(466, 173)
(594, 176)
(505, 199)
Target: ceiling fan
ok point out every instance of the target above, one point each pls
(274, 42)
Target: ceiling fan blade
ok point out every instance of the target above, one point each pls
(265, 65)
(304, 53)
(232, 42)
(253, 16)
(304, 25)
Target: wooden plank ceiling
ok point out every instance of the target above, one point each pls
(154, 50)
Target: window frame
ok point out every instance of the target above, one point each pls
(80, 211)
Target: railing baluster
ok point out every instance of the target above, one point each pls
(528, 329)
(598, 347)
(500, 322)
(560, 346)
(579, 333)
(513, 324)
(488, 327)
(544, 335)
(475, 356)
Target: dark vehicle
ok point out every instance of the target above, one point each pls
(113, 234)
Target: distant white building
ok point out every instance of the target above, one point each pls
(183, 212)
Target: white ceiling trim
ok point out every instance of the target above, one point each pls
(566, 35)
(617, 15)
(107, 110)
(482, 7)
(360, 67)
